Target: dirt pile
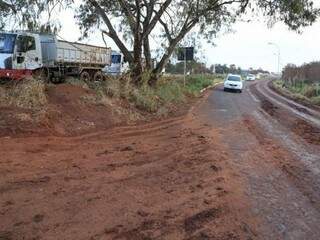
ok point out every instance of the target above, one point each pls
(33, 109)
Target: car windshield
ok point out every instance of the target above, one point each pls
(234, 78)
(7, 42)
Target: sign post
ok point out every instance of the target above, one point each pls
(185, 67)
(185, 54)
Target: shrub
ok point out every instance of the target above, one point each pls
(167, 91)
(194, 84)
(316, 100)
(170, 92)
(29, 93)
(145, 98)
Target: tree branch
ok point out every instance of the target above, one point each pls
(156, 18)
(128, 14)
(112, 33)
(8, 5)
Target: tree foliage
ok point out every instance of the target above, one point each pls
(32, 15)
(308, 72)
(131, 23)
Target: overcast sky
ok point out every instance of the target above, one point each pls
(247, 47)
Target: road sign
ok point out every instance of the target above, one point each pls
(186, 53)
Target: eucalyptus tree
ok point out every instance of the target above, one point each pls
(131, 23)
(136, 20)
(34, 15)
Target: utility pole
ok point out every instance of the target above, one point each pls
(279, 53)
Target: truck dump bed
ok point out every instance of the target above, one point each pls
(81, 53)
(57, 51)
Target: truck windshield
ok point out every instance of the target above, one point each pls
(25, 43)
(116, 59)
(7, 42)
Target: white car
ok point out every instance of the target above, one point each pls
(233, 82)
(251, 77)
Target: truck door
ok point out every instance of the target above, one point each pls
(27, 55)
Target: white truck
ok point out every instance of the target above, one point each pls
(43, 55)
(118, 65)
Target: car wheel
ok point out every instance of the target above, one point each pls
(224, 89)
(240, 91)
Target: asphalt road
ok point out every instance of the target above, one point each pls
(274, 144)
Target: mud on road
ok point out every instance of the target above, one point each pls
(164, 180)
(237, 166)
(274, 145)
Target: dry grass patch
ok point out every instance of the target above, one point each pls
(29, 94)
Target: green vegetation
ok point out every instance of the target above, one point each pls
(169, 90)
(198, 82)
(302, 90)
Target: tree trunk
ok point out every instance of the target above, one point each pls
(137, 70)
(136, 67)
(147, 54)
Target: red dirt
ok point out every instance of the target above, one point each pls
(168, 179)
(69, 114)
(66, 113)
(71, 111)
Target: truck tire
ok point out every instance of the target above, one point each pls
(98, 77)
(57, 80)
(41, 74)
(85, 76)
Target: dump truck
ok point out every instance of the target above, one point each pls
(118, 65)
(25, 54)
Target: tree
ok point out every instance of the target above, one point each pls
(26, 14)
(130, 23)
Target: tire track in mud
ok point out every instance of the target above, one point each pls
(299, 124)
(280, 200)
(302, 163)
(305, 107)
(167, 180)
(303, 174)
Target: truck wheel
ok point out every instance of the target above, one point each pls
(85, 76)
(41, 74)
(56, 80)
(98, 76)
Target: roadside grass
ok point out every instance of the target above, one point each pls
(196, 83)
(170, 90)
(303, 91)
(29, 93)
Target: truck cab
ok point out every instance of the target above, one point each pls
(20, 54)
